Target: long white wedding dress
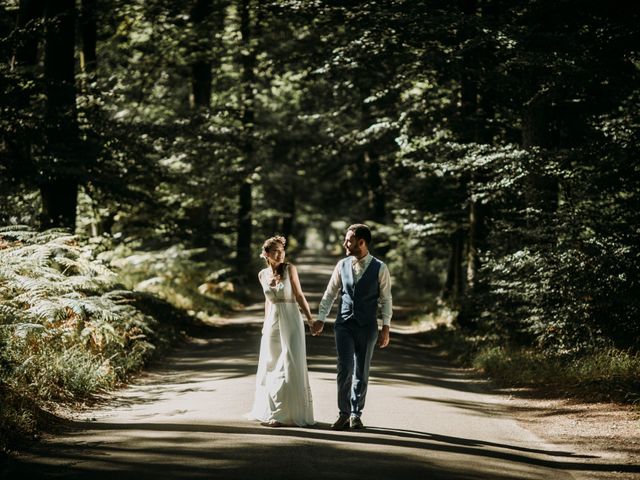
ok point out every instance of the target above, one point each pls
(282, 393)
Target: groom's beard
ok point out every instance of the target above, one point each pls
(354, 252)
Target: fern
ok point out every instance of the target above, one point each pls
(56, 295)
(67, 328)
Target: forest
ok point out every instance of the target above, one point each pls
(148, 147)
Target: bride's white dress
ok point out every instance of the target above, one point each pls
(283, 393)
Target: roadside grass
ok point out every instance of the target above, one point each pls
(604, 375)
(607, 374)
(70, 328)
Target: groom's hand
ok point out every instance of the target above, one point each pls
(317, 328)
(383, 336)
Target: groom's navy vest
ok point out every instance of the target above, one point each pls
(359, 301)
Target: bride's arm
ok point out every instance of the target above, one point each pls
(297, 293)
(266, 302)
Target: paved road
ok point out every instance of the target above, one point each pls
(183, 419)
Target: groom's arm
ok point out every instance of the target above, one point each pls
(384, 300)
(330, 294)
(386, 305)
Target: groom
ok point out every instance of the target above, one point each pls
(362, 282)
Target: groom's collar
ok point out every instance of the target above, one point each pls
(363, 261)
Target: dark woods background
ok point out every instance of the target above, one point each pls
(492, 144)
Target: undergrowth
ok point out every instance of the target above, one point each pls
(602, 374)
(70, 327)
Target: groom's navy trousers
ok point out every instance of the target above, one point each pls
(356, 334)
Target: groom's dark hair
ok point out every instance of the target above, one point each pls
(361, 231)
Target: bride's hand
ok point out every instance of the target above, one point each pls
(317, 327)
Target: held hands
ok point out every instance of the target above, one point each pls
(316, 328)
(383, 336)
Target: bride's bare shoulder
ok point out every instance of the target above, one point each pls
(292, 268)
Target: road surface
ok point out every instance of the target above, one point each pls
(183, 419)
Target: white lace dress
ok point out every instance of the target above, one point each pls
(283, 393)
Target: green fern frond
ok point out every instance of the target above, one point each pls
(54, 235)
(48, 310)
(85, 284)
(77, 306)
(10, 313)
(8, 229)
(23, 329)
(39, 287)
(20, 233)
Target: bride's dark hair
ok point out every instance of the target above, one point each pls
(268, 244)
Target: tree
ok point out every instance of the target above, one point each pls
(248, 58)
(59, 185)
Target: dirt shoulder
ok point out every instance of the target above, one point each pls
(608, 431)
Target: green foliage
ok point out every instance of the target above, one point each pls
(493, 146)
(67, 327)
(605, 375)
(183, 277)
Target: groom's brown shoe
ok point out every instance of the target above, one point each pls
(341, 423)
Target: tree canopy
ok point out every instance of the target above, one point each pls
(491, 144)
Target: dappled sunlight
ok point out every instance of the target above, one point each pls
(183, 418)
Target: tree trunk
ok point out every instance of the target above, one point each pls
(287, 221)
(59, 188)
(27, 51)
(24, 61)
(454, 284)
(245, 229)
(201, 68)
(376, 197)
(471, 132)
(198, 217)
(469, 77)
(468, 132)
(541, 192)
(243, 245)
(475, 242)
(88, 29)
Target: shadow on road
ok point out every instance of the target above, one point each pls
(239, 450)
(181, 450)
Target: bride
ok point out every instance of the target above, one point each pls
(283, 394)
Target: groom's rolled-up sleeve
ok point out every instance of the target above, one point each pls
(385, 301)
(330, 294)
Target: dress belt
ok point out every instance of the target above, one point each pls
(282, 300)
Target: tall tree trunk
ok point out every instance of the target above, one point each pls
(288, 219)
(475, 241)
(202, 12)
(59, 188)
(542, 191)
(24, 61)
(28, 12)
(376, 201)
(469, 77)
(376, 197)
(99, 224)
(454, 285)
(245, 229)
(468, 132)
(89, 33)
(201, 68)
(284, 191)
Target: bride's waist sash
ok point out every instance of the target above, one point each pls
(283, 300)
